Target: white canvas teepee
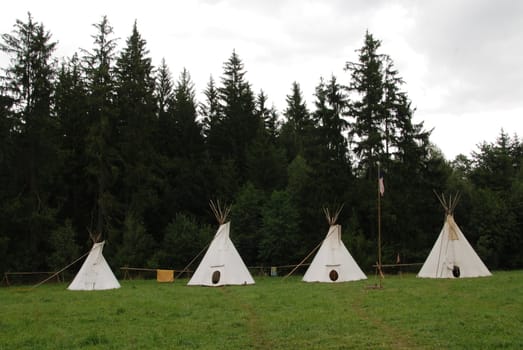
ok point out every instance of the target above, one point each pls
(221, 264)
(95, 273)
(452, 255)
(333, 262)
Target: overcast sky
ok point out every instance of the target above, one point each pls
(462, 60)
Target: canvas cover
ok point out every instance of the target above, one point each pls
(221, 264)
(95, 273)
(452, 256)
(333, 262)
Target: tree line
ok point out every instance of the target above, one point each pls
(105, 142)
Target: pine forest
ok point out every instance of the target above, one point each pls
(109, 142)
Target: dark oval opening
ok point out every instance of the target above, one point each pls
(455, 271)
(333, 275)
(215, 277)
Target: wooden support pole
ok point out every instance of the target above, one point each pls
(56, 273)
(379, 228)
(301, 263)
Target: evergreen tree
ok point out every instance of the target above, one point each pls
(495, 216)
(137, 245)
(298, 125)
(330, 105)
(392, 103)
(332, 170)
(188, 172)
(29, 77)
(31, 204)
(405, 141)
(210, 109)
(368, 111)
(382, 115)
(239, 124)
(305, 200)
(165, 149)
(164, 89)
(189, 139)
(63, 247)
(7, 156)
(266, 163)
(230, 127)
(280, 242)
(269, 116)
(103, 157)
(494, 165)
(135, 103)
(381, 131)
(71, 111)
(246, 217)
(166, 130)
(184, 238)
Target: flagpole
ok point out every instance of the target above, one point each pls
(379, 227)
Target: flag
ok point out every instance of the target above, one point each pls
(381, 186)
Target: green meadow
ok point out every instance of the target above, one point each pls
(408, 313)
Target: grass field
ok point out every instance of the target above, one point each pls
(409, 313)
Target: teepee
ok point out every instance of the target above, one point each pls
(452, 255)
(333, 262)
(221, 264)
(95, 273)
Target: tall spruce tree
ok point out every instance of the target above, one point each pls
(297, 139)
(266, 164)
(7, 156)
(229, 127)
(104, 160)
(189, 138)
(404, 141)
(165, 147)
(382, 132)
(367, 110)
(164, 88)
(298, 124)
(331, 102)
(187, 176)
(239, 124)
(71, 110)
(381, 112)
(210, 108)
(28, 83)
(135, 104)
(165, 132)
(331, 163)
(136, 119)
